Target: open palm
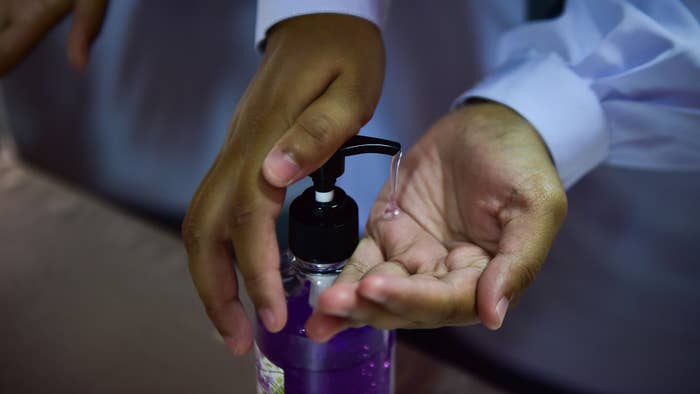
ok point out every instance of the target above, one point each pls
(481, 203)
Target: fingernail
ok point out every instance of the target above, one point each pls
(234, 346)
(268, 318)
(280, 168)
(501, 309)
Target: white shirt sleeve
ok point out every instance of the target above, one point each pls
(608, 81)
(271, 12)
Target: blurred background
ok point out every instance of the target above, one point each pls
(613, 310)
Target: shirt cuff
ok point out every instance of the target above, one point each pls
(559, 104)
(271, 12)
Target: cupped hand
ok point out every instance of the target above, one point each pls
(480, 204)
(318, 83)
(23, 23)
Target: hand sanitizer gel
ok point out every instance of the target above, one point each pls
(323, 233)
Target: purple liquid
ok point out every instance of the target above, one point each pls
(357, 360)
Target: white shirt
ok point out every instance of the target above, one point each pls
(145, 121)
(613, 87)
(615, 81)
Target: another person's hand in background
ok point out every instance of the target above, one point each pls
(23, 23)
(480, 203)
(319, 82)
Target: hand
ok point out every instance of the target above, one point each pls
(23, 23)
(481, 203)
(318, 83)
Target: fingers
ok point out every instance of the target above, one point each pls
(299, 88)
(524, 245)
(340, 307)
(429, 300)
(321, 327)
(235, 192)
(345, 105)
(246, 207)
(235, 204)
(87, 22)
(211, 267)
(366, 256)
(255, 242)
(422, 299)
(319, 131)
(225, 206)
(23, 26)
(387, 295)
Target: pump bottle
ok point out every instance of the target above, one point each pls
(323, 233)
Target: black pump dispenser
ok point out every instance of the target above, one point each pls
(323, 221)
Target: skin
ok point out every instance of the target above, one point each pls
(23, 23)
(481, 201)
(481, 204)
(318, 83)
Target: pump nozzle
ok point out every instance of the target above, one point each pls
(323, 220)
(324, 178)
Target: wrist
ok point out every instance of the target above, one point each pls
(323, 30)
(500, 110)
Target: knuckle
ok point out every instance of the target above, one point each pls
(525, 274)
(257, 283)
(360, 109)
(357, 268)
(191, 234)
(257, 280)
(242, 215)
(214, 308)
(318, 128)
(254, 281)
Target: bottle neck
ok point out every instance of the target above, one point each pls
(319, 276)
(305, 267)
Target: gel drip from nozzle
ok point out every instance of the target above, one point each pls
(392, 210)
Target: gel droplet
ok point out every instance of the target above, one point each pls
(392, 207)
(392, 210)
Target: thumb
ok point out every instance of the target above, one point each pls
(523, 248)
(317, 133)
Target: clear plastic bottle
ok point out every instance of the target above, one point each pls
(323, 233)
(358, 360)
